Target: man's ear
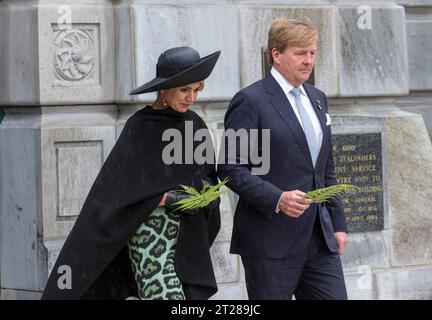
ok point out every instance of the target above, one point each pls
(275, 54)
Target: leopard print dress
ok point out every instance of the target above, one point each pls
(151, 252)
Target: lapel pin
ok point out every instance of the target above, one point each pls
(318, 103)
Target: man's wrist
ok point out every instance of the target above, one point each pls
(277, 210)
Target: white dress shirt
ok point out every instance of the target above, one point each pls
(287, 87)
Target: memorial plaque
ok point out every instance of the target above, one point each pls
(358, 161)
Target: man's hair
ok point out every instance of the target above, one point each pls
(285, 33)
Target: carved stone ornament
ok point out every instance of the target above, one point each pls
(74, 55)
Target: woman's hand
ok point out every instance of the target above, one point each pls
(173, 196)
(163, 201)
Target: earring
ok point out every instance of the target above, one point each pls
(164, 103)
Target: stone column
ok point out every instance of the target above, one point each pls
(57, 90)
(52, 156)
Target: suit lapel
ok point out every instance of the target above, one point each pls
(280, 102)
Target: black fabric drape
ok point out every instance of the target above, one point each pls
(128, 187)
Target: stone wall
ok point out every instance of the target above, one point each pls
(63, 115)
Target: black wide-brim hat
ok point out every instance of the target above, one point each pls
(177, 67)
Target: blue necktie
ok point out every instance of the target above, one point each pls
(307, 125)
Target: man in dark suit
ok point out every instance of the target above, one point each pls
(288, 245)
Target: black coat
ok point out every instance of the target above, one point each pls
(127, 189)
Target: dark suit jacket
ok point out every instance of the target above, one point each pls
(258, 231)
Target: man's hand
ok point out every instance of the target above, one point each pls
(293, 203)
(341, 240)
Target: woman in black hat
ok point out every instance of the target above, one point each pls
(127, 240)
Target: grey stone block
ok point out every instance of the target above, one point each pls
(360, 285)
(255, 22)
(226, 212)
(373, 61)
(354, 122)
(73, 149)
(213, 114)
(425, 112)
(124, 82)
(178, 2)
(19, 52)
(283, 2)
(24, 257)
(366, 250)
(409, 170)
(19, 205)
(87, 75)
(10, 294)
(54, 62)
(411, 246)
(406, 157)
(414, 3)
(150, 40)
(231, 291)
(226, 265)
(52, 251)
(404, 284)
(419, 44)
(198, 108)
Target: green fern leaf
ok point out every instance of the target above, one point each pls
(325, 194)
(202, 198)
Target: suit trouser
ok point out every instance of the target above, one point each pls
(313, 273)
